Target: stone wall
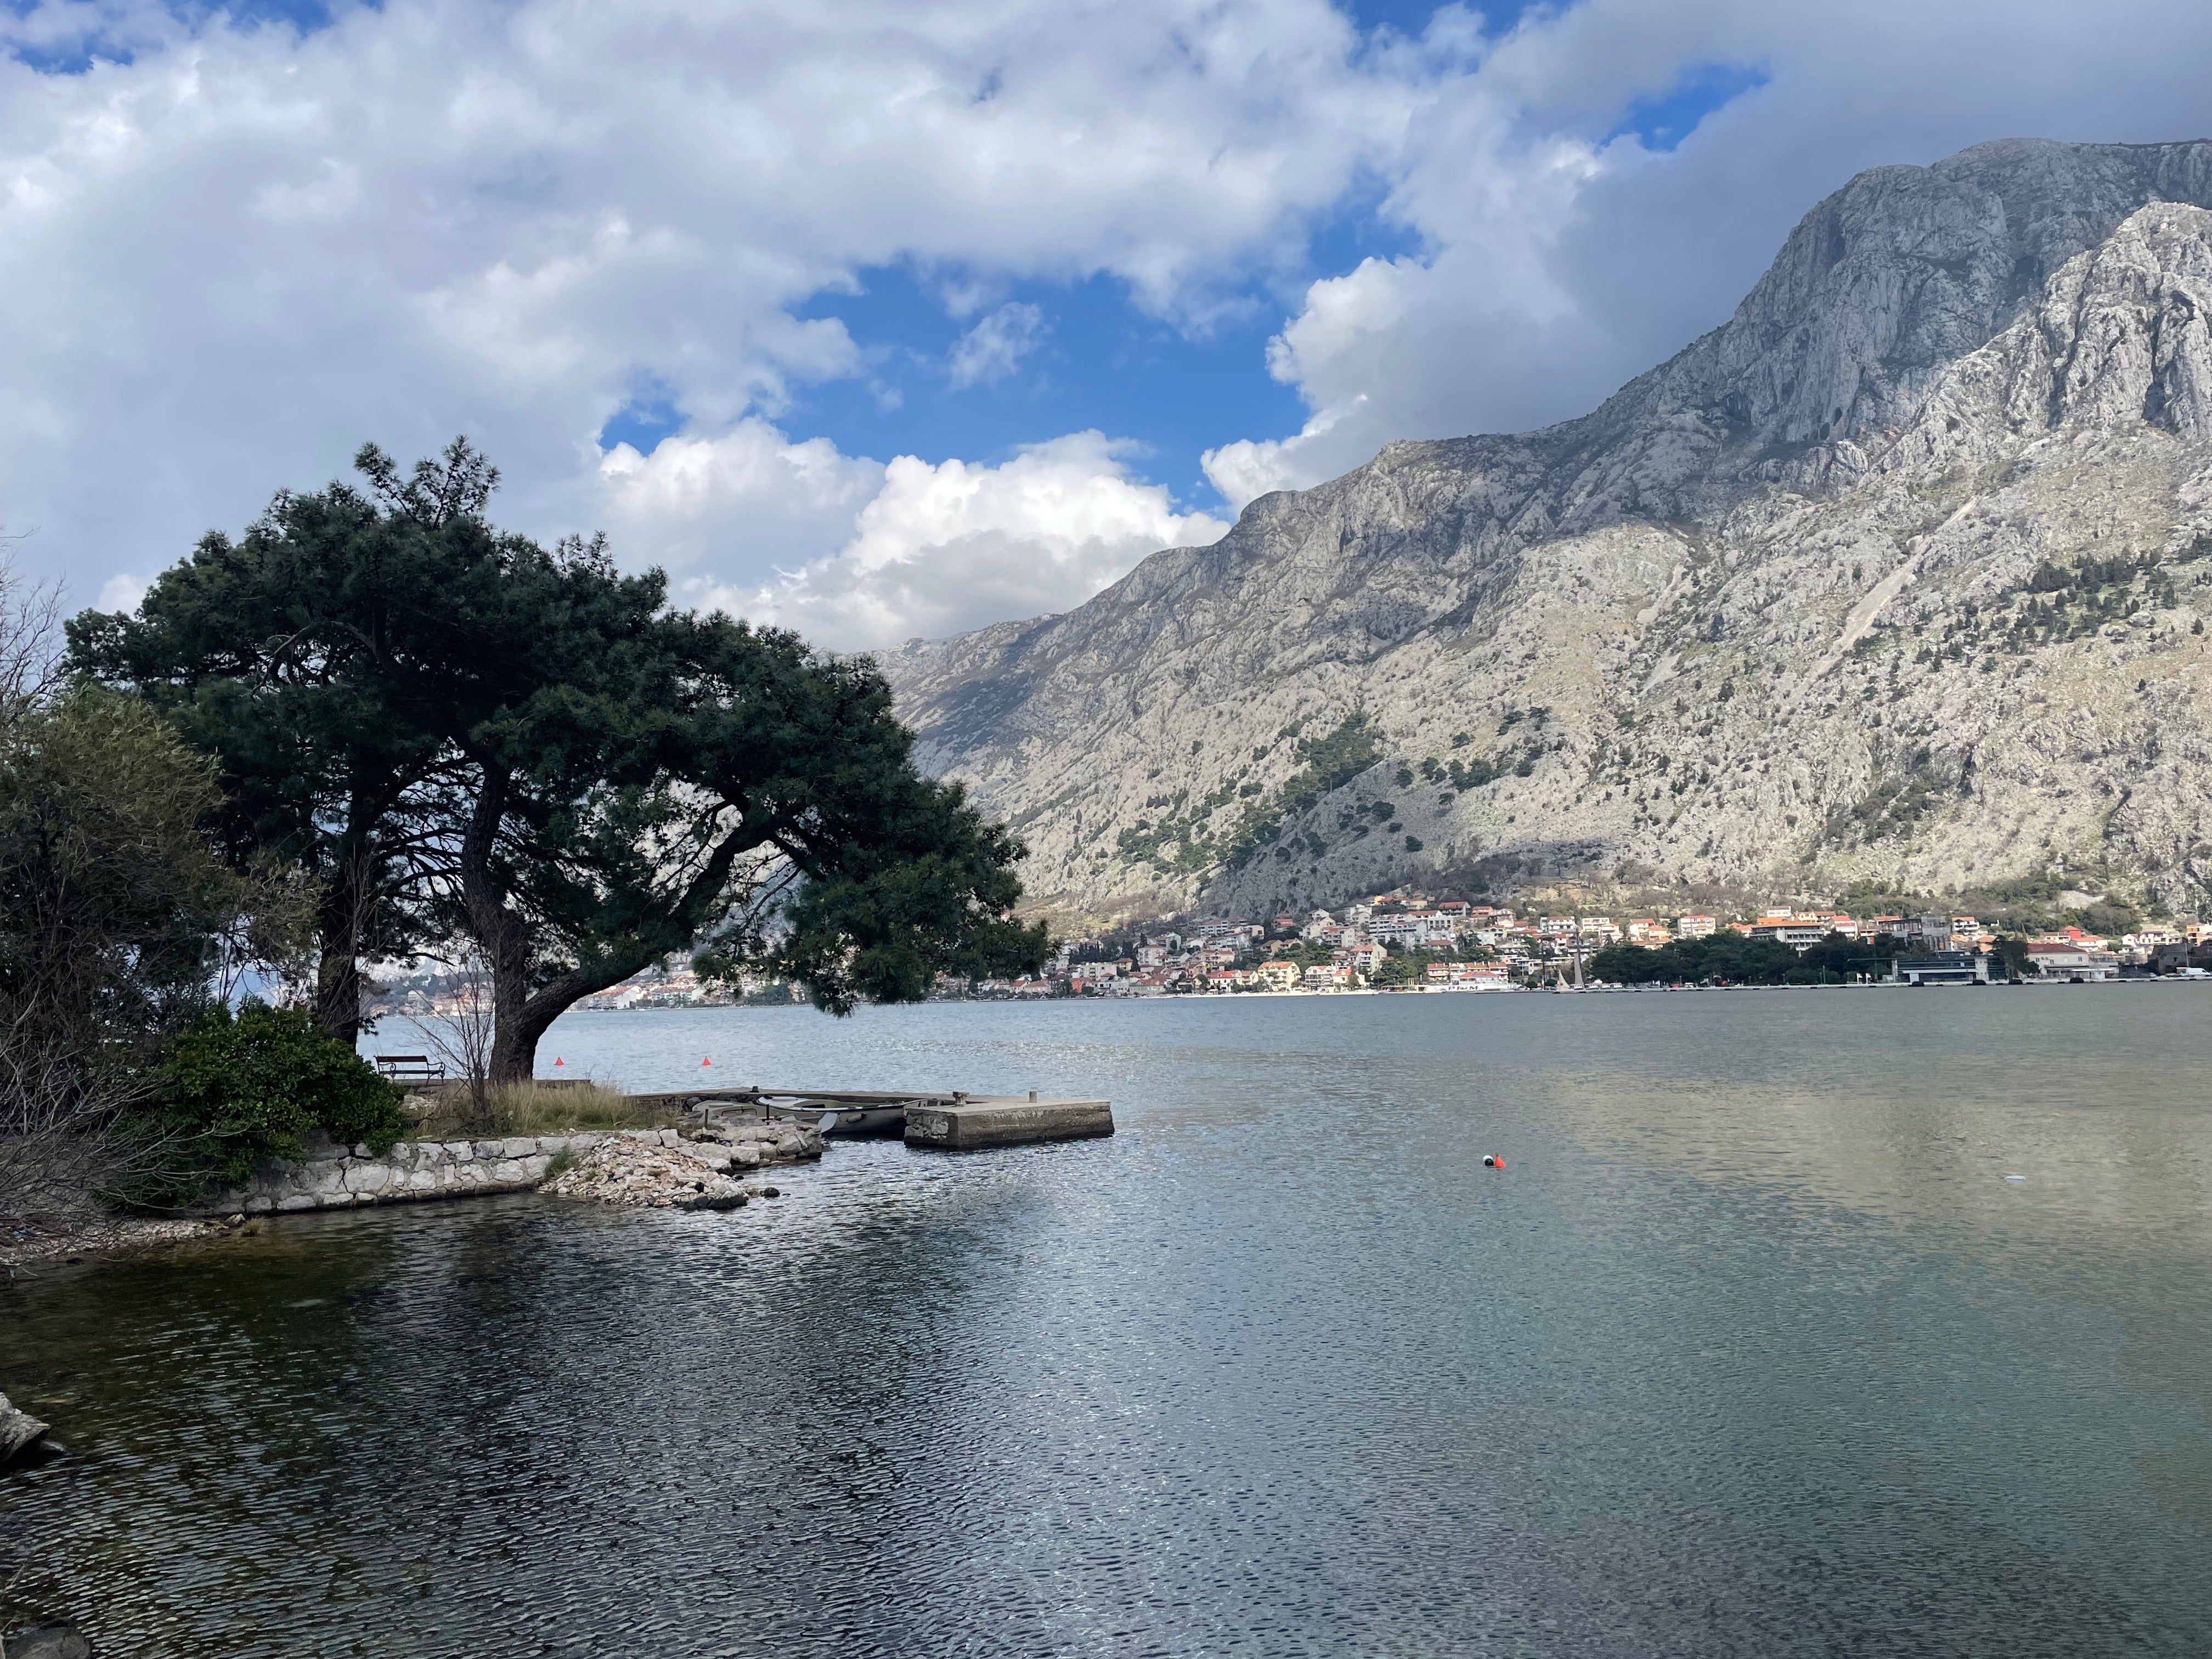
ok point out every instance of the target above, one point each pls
(336, 1177)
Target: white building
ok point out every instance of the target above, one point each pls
(2054, 960)
(1797, 935)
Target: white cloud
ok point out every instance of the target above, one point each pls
(990, 351)
(232, 252)
(942, 549)
(121, 592)
(696, 502)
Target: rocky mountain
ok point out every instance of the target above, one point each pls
(1897, 576)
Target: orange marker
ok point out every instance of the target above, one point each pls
(708, 1061)
(557, 1060)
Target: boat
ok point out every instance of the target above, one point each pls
(833, 1119)
(1562, 988)
(836, 1112)
(841, 1113)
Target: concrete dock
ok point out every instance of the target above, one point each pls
(967, 1122)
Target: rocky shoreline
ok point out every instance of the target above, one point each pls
(697, 1172)
(697, 1169)
(28, 1242)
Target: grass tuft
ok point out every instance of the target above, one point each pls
(538, 1109)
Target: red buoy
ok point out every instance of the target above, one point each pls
(557, 1060)
(707, 1062)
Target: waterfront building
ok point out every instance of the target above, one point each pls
(1931, 933)
(1799, 934)
(2066, 959)
(1943, 968)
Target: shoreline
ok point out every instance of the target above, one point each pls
(29, 1243)
(1420, 990)
(712, 1167)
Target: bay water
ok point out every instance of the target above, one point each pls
(1755, 1346)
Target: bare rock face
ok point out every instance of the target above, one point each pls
(1900, 574)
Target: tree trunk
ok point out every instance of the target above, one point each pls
(521, 1017)
(337, 970)
(337, 994)
(516, 1040)
(499, 933)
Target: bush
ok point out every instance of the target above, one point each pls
(237, 1088)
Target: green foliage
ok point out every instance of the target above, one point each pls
(1893, 804)
(1328, 762)
(237, 1088)
(2062, 602)
(523, 746)
(2109, 917)
(115, 901)
(1331, 760)
(1406, 968)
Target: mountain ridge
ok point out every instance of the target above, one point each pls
(1659, 541)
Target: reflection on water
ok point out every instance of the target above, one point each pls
(1751, 1349)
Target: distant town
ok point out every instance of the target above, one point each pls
(1410, 942)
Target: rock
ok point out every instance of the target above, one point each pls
(622, 1170)
(57, 1638)
(19, 1433)
(731, 1201)
(1766, 618)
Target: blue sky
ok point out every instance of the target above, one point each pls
(904, 317)
(1175, 388)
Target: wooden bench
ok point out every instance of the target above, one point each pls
(410, 1068)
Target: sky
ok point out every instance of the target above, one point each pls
(886, 320)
